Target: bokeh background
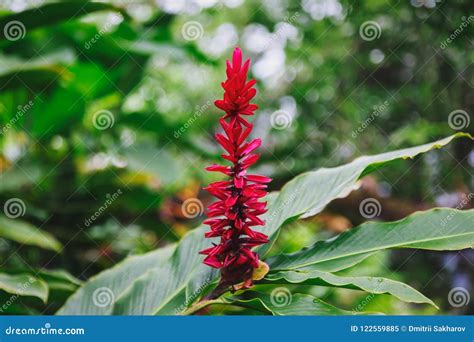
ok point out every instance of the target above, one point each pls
(107, 122)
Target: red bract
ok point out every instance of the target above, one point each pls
(238, 207)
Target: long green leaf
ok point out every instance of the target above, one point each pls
(24, 285)
(51, 13)
(161, 282)
(25, 233)
(309, 193)
(373, 285)
(59, 280)
(60, 275)
(436, 229)
(337, 264)
(172, 265)
(284, 303)
(38, 73)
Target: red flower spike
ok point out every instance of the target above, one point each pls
(238, 206)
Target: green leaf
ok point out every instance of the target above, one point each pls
(309, 193)
(144, 284)
(52, 13)
(38, 73)
(25, 233)
(53, 61)
(373, 285)
(283, 303)
(148, 47)
(337, 264)
(436, 229)
(59, 280)
(56, 113)
(90, 80)
(24, 285)
(60, 275)
(171, 279)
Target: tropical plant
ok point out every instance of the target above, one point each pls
(172, 280)
(105, 122)
(238, 204)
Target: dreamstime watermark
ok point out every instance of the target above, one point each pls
(116, 18)
(281, 297)
(465, 22)
(46, 330)
(14, 208)
(458, 297)
(199, 110)
(14, 30)
(370, 30)
(282, 206)
(13, 298)
(281, 120)
(189, 300)
(192, 30)
(109, 200)
(22, 110)
(363, 303)
(458, 119)
(192, 207)
(103, 119)
(377, 111)
(103, 297)
(370, 208)
(379, 288)
(467, 199)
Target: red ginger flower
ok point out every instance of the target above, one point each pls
(238, 207)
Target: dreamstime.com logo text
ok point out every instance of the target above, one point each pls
(464, 24)
(377, 111)
(13, 298)
(367, 299)
(363, 303)
(110, 199)
(46, 330)
(22, 110)
(282, 206)
(197, 113)
(116, 18)
(192, 297)
(465, 201)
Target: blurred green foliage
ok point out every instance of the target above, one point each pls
(103, 101)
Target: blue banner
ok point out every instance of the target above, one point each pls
(237, 328)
